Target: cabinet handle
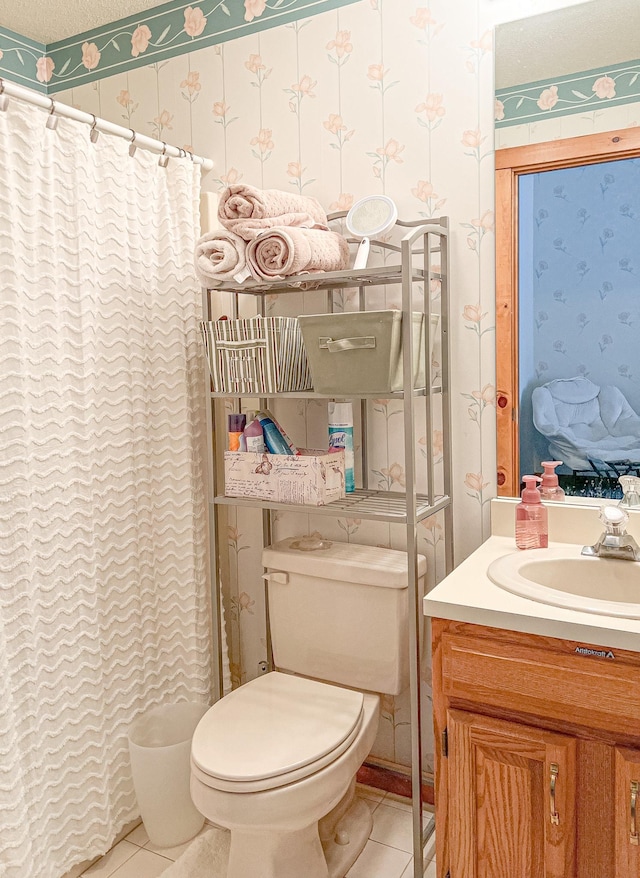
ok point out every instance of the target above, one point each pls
(555, 819)
(633, 832)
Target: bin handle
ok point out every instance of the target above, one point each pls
(347, 344)
(244, 343)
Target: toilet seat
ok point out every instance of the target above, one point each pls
(273, 731)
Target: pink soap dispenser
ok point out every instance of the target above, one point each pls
(550, 488)
(532, 528)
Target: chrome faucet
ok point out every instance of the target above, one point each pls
(615, 542)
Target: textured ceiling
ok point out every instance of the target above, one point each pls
(58, 19)
(581, 37)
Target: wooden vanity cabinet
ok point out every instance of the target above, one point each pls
(537, 756)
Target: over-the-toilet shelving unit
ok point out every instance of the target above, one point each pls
(423, 248)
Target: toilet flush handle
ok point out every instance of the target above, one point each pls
(277, 576)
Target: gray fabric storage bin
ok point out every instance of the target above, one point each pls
(360, 351)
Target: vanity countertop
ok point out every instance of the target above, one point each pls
(468, 595)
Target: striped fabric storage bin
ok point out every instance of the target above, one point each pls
(256, 355)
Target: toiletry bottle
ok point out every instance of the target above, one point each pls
(341, 436)
(272, 436)
(237, 424)
(550, 488)
(532, 529)
(253, 435)
(267, 414)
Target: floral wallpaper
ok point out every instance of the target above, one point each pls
(391, 96)
(163, 32)
(569, 94)
(167, 31)
(23, 60)
(579, 286)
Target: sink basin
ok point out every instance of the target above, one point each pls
(563, 577)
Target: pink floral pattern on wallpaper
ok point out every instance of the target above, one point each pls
(474, 317)
(424, 21)
(433, 110)
(477, 483)
(425, 192)
(191, 86)
(340, 47)
(254, 9)
(255, 65)
(90, 55)
(44, 68)
(264, 142)
(605, 87)
(127, 103)
(619, 85)
(140, 40)
(195, 21)
(548, 98)
(343, 202)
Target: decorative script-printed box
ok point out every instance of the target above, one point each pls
(313, 478)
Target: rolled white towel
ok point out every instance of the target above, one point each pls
(221, 256)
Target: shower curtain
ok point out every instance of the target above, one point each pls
(103, 553)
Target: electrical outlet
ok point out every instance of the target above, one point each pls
(262, 667)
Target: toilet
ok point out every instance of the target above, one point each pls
(275, 761)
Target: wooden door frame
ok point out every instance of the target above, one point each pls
(511, 163)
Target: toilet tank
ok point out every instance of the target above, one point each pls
(339, 612)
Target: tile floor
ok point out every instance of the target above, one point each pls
(386, 855)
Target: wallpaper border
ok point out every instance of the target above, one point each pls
(22, 60)
(565, 95)
(166, 31)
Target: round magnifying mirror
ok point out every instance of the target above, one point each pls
(370, 217)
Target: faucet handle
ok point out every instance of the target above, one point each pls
(630, 491)
(614, 519)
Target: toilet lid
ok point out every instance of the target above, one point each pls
(275, 724)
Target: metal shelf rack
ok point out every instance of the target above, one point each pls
(414, 269)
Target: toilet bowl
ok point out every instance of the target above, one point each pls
(275, 763)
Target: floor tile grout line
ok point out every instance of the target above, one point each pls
(109, 874)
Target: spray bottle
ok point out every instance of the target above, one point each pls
(341, 436)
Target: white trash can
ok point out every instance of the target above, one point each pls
(160, 749)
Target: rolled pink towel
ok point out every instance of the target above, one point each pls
(247, 211)
(283, 252)
(221, 256)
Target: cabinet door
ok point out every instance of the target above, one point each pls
(511, 799)
(627, 799)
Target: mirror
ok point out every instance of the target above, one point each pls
(568, 239)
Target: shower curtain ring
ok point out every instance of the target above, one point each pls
(4, 99)
(163, 161)
(52, 120)
(94, 133)
(132, 144)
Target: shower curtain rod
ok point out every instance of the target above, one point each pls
(10, 89)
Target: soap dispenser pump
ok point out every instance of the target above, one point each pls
(630, 491)
(550, 488)
(532, 529)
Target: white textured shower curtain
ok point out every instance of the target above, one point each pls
(103, 566)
